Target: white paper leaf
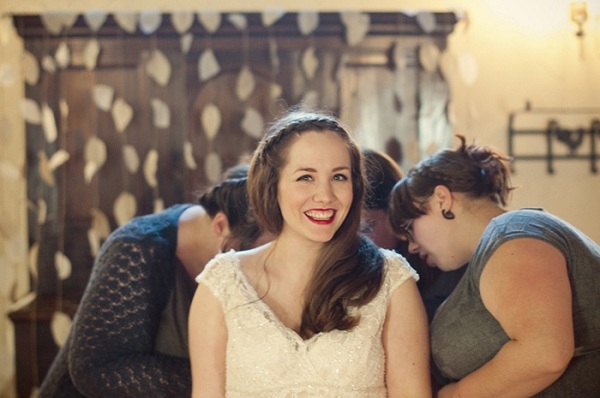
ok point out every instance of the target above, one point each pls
(275, 91)
(159, 205)
(150, 168)
(91, 53)
(103, 96)
(8, 75)
(124, 208)
(310, 63)
(95, 156)
(63, 108)
(467, 68)
(34, 251)
(429, 55)
(239, 21)
(211, 120)
(122, 113)
(48, 64)
(213, 167)
(245, 83)
(58, 158)
(100, 223)
(31, 68)
(357, 26)
(49, 124)
(211, 20)
(426, 21)
(188, 156)
(158, 68)
(89, 171)
(186, 41)
(127, 20)
(42, 211)
(57, 21)
(62, 55)
(131, 159)
(150, 21)
(94, 242)
(9, 171)
(182, 20)
(308, 21)
(44, 169)
(95, 19)
(161, 113)
(60, 325)
(62, 265)
(272, 15)
(208, 66)
(253, 123)
(31, 111)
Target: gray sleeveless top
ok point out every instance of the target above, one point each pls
(464, 335)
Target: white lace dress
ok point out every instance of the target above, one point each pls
(267, 359)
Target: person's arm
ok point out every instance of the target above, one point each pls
(113, 335)
(525, 286)
(406, 344)
(208, 342)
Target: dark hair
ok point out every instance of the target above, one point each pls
(231, 198)
(382, 174)
(478, 171)
(350, 272)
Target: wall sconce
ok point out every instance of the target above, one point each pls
(579, 15)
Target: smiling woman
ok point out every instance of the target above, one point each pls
(320, 311)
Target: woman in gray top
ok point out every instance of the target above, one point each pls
(525, 318)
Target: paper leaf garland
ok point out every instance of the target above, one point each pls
(60, 325)
(429, 55)
(49, 124)
(182, 20)
(211, 120)
(245, 83)
(62, 265)
(57, 21)
(94, 154)
(48, 64)
(159, 205)
(103, 96)
(357, 26)
(122, 113)
(91, 53)
(127, 20)
(310, 63)
(150, 21)
(30, 68)
(34, 251)
(31, 111)
(426, 21)
(42, 211)
(271, 15)
(44, 169)
(62, 55)
(275, 91)
(124, 208)
(308, 21)
(252, 123)
(161, 113)
(57, 159)
(211, 20)
(239, 21)
(208, 66)
(95, 19)
(186, 41)
(131, 159)
(158, 68)
(188, 156)
(100, 229)
(150, 168)
(213, 167)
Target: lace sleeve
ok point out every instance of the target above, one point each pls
(398, 270)
(113, 334)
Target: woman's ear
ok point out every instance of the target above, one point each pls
(442, 197)
(220, 225)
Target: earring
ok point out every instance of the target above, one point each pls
(448, 215)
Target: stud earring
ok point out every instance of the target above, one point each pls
(448, 215)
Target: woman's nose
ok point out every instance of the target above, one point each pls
(324, 192)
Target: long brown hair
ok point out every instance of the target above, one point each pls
(350, 271)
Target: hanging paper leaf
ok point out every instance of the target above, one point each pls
(182, 20)
(103, 96)
(63, 108)
(62, 55)
(150, 168)
(44, 169)
(467, 68)
(124, 208)
(253, 123)
(186, 41)
(158, 68)
(49, 124)
(127, 20)
(95, 19)
(426, 21)
(122, 113)
(239, 21)
(273, 55)
(42, 211)
(275, 91)
(211, 121)
(161, 113)
(310, 63)
(9, 171)
(57, 159)
(150, 21)
(308, 21)
(245, 83)
(30, 67)
(62, 265)
(399, 56)
(34, 251)
(213, 167)
(272, 15)
(188, 156)
(48, 64)
(94, 242)
(429, 55)
(100, 223)
(56, 21)
(91, 53)
(357, 26)
(60, 325)
(94, 155)
(7, 75)
(159, 205)
(31, 111)
(211, 20)
(208, 66)
(131, 159)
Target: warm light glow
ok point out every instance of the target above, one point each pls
(579, 15)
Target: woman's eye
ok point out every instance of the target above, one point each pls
(304, 178)
(340, 177)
